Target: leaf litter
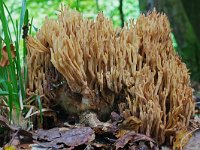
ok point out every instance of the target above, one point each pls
(88, 134)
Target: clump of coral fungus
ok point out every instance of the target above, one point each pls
(135, 67)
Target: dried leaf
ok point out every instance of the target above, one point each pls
(4, 61)
(121, 133)
(194, 142)
(77, 136)
(197, 119)
(47, 135)
(132, 123)
(70, 138)
(4, 122)
(18, 134)
(115, 117)
(26, 146)
(131, 137)
(90, 119)
(181, 139)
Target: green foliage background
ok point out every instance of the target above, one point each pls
(39, 9)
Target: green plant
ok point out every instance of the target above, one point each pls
(12, 85)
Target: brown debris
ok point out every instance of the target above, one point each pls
(15, 135)
(131, 137)
(59, 139)
(47, 135)
(136, 65)
(4, 61)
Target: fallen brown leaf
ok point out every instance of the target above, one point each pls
(24, 146)
(181, 139)
(47, 135)
(78, 136)
(131, 123)
(69, 138)
(121, 133)
(4, 61)
(4, 122)
(90, 119)
(131, 137)
(115, 117)
(16, 134)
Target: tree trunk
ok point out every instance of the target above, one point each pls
(183, 27)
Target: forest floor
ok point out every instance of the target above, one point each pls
(70, 134)
(194, 142)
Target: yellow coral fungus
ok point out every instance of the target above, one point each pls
(103, 66)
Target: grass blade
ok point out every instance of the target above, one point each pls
(22, 16)
(25, 24)
(11, 82)
(1, 45)
(5, 93)
(10, 18)
(10, 100)
(19, 73)
(30, 31)
(40, 108)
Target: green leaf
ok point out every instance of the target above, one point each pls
(18, 65)
(5, 93)
(8, 43)
(25, 24)
(31, 25)
(10, 17)
(1, 46)
(40, 108)
(23, 10)
(10, 100)
(9, 73)
(77, 5)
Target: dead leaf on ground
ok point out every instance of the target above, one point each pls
(181, 138)
(90, 119)
(132, 137)
(16, 134)
(197, 119)
(26, 146)
(121, 133)
(115, 117)
(4, 122)
(70, 138)
(131, 123)
(47, 135)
